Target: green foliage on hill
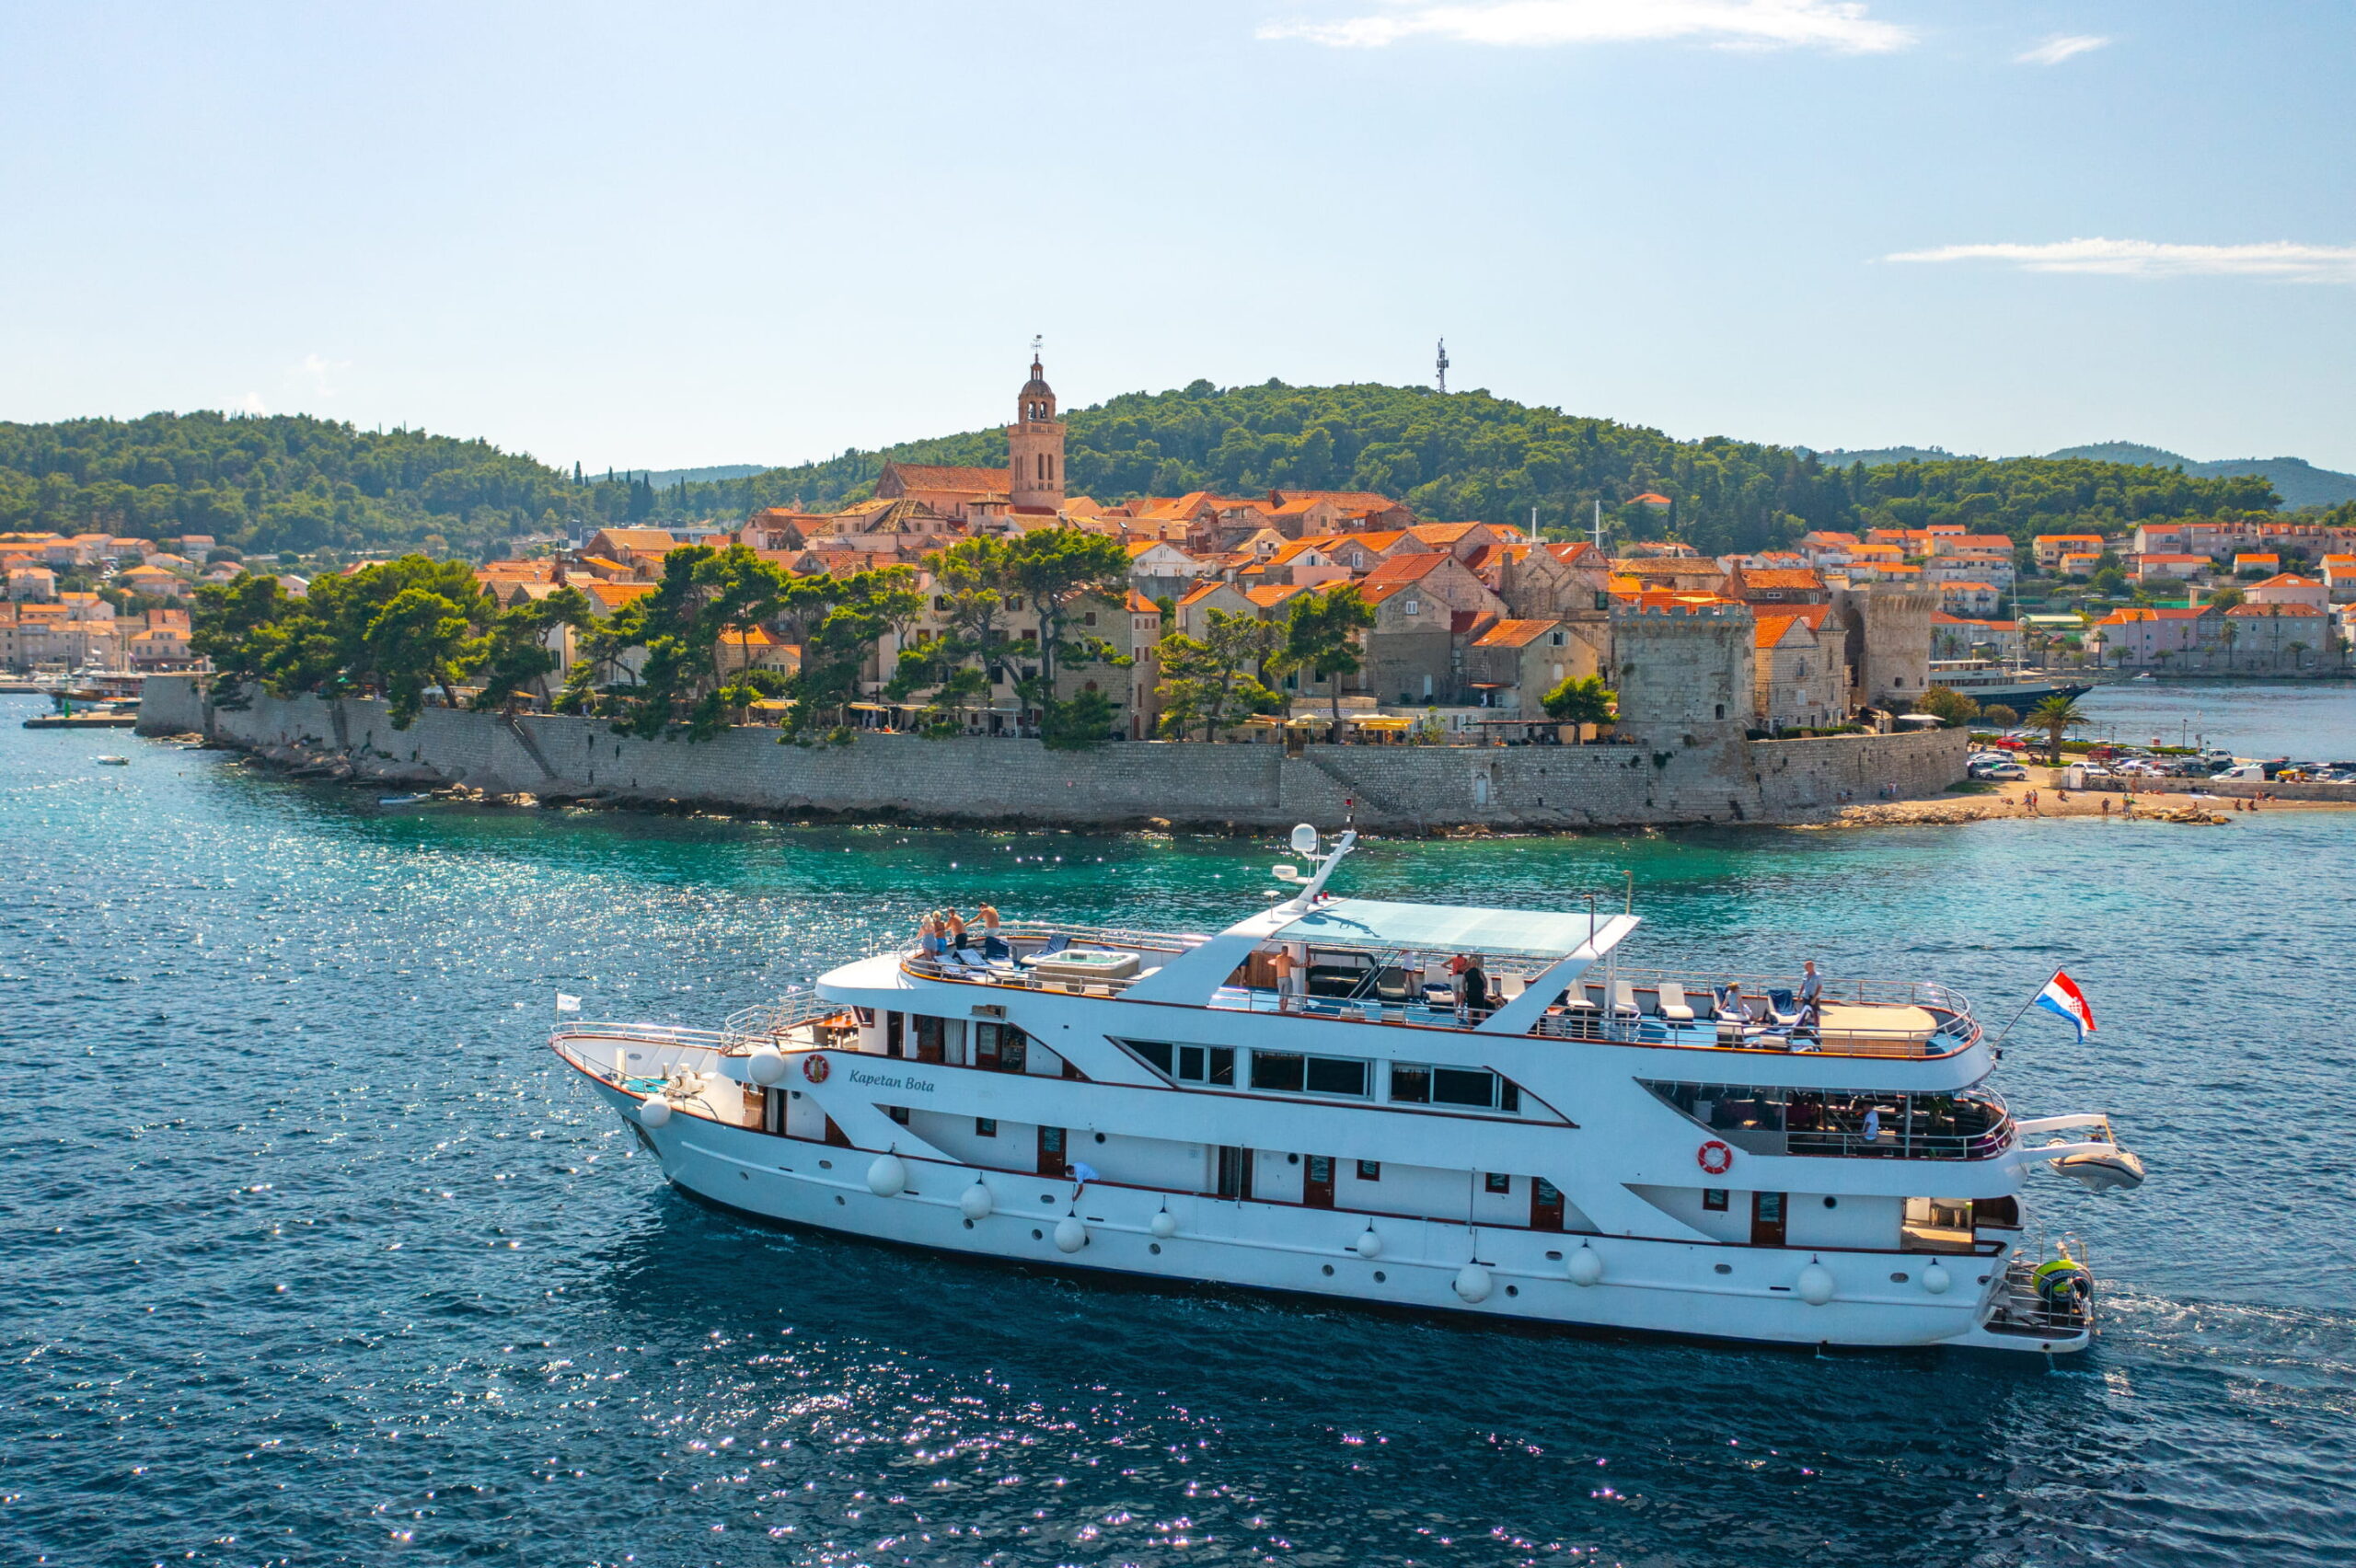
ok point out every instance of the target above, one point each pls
(287, 482)
(296, 483)
(1470, 455)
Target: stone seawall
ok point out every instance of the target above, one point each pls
(1411, 788)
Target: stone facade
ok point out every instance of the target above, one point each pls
(1682, 670)
(1411, 788)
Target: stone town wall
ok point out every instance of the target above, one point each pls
(1123, 784)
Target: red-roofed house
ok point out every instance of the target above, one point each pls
(1799, 679)
(1514, 664)
(2280, 635)
(2141, 635)
(2289, 588)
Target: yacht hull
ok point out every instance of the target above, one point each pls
(1701, 1290)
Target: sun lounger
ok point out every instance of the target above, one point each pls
(1624, 999)
(1673, 1004)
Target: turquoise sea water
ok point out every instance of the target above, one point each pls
(311, 1255)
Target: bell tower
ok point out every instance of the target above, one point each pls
(1034, 445)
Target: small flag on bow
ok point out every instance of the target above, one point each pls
(567, 1004)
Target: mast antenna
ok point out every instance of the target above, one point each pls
(1443, 367)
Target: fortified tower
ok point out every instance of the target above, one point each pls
(1034, 446)
(1887, 638)
(1684, 671)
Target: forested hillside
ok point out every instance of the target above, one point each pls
(295, 483)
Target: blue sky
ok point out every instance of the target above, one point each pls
(702, 233)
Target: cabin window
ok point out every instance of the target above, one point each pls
(866, 1017)
(1213, 1065)
(1279, 1071)
(1715, 1199)
(1418, 1085)
(985, 1127)
(1369, 1170)
(897, 1112)
(1491, 1181)
(1285, 1072)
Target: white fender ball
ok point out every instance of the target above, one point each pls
(1071, 1234)
(1473, 1282)
(887, 1175)
(1164, 1225)
(653, 1111)
(767, 1067)
(1369, 1245)
(1585, 1266)
(974, 1203)
(1936, 1280)
(1816, 1284)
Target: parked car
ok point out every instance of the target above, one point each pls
(1999, 772)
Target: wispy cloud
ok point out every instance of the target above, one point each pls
(315, 371)
(2059, 47)
(251, 404)
(1841, 25)
(2279, 261)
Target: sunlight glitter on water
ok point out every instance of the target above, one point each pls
(214, 1149)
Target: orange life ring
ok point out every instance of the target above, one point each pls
(1715, 1157)
(815, 1068)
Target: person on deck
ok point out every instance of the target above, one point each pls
(1811, 993)
(993, 944)
(1472, 991)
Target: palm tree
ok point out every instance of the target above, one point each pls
(2054, 715)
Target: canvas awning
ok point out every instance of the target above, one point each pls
(1445, 928)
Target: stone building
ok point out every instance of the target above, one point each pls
(1683, 669)
(1799, 679)
(1885, 637)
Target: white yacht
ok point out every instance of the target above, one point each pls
(1312, 1100)
(2016, 687)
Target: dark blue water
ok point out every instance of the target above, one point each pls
(309, 1256)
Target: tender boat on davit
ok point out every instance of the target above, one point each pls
(1301, 1103)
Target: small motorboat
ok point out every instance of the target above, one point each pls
(114, 762)
(2102, 1171)
(2145, 675)
(405, 799)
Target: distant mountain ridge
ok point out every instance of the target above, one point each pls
(2296, 481)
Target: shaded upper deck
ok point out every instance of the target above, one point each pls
(1367, 962)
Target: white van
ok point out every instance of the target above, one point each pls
(2244, 772)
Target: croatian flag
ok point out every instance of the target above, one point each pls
(2063, 996)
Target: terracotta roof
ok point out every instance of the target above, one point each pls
(614, 595)
(944, 477)
(1204, 591)
(1405, 569)
(1141, 604)
(1572, 551)
(1443, 533)
(638, 538)
(1347, 500)
(1771, 630)
(2288, 580)
(1514, 633)
(1776, 577)
(1272, 594)
(2274, 610)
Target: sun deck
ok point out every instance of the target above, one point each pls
(1398, 969)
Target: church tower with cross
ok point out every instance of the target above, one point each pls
(1034, 445)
